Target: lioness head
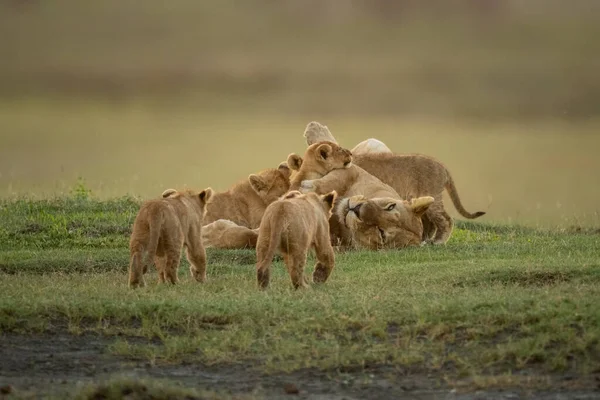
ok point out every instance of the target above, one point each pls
(383, 222)
(271, 184)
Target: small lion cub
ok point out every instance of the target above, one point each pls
(293, 225)
(162, 227)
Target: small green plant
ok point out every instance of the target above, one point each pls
(80, 191)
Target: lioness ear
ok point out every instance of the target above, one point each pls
(294, 161)
(284, 169)
(205, 195)
(420, 204)
(324, 151)
(168, 192)
(329, 199)
(258, 184)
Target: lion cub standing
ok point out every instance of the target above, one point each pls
(293, 225)
(161, 228)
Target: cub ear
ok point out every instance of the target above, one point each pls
(205, 195)
(291, 195)
(420, 205)
(168, 193)
(258, 184)
(284, 169)
(329, 199)
(324, 151)
(294, 161)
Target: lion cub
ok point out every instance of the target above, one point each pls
(319, 159)
(293, 225)
(161, 228)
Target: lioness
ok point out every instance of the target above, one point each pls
(370, 214)
(319, 159)
(411, 176)
(293, 225)
(161, 228)
(246, 201)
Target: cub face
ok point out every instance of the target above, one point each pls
(271, 184)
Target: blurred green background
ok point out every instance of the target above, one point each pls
(138, 96)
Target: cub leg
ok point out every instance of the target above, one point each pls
(441, 220)
(325, 259)
(161, 265)
(196, 255)
(136, 270)
(295, 264)
(263, 264)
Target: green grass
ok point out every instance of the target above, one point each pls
(496, 299)
(120, 388)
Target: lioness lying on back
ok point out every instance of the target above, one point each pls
(410, 175)
(370, 213)
(161, 228)
(293, 225)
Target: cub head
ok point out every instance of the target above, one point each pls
(271, 184)
(325, 201)
(202, 198)
(322, 157)
(383, 222)
(328, 200)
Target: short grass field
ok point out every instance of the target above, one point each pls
(498, 307)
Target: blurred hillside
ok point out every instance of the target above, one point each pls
(473, 58)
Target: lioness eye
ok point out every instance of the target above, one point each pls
(390, 207)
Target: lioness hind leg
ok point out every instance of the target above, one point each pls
(325, 260)
(196, 255)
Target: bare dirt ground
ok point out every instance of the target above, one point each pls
(57, 363)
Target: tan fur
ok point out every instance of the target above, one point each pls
(384, 222)
(415, 175)
(246, 202)
(382, 219)
(410, 175)
(162, 227)
(293, 225)
(319, 159)
(225, 234)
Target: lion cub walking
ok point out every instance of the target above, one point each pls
(293, 225)
(161, 228)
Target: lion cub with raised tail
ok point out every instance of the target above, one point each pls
(292, 225)
(161, 228)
